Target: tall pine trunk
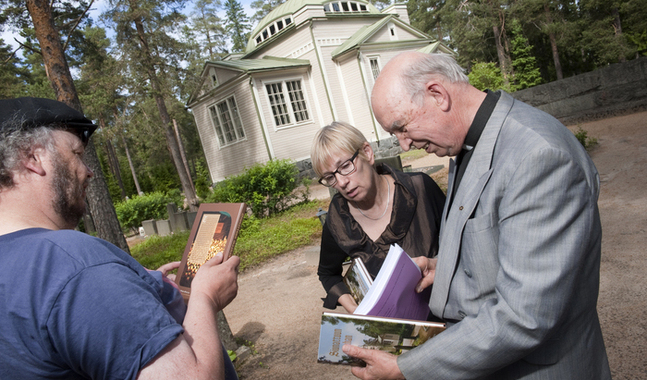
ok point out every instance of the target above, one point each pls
(553, 43)
(171, 141)
(58, 72)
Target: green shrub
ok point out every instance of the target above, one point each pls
(583, 137)
(267, 189)
(486, 75)
(133, 211)
(202, 181)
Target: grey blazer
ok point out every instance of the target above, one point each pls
(519, 259)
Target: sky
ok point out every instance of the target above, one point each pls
(97, 8)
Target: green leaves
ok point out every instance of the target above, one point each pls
(133, 211)
(267, 188)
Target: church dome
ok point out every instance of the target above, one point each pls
(282, 16)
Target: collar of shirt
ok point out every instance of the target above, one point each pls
(480, 120)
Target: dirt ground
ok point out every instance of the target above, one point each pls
(278, 307)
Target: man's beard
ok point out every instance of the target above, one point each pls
(68, 199)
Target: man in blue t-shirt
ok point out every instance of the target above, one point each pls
(74, 306)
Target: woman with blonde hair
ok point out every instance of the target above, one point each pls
(374, 208)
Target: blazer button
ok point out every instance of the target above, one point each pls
(461, 208)
(468, 273)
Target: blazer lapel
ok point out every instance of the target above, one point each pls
(466, 199)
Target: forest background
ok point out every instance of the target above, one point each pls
(130, 65)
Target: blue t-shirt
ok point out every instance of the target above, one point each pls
(74, 307)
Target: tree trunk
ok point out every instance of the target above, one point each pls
(171, 141)
(505, 70)
(184, 161)
(114, 167)
(553, 44)
(617, 26)
(58, 73)
(132, 167)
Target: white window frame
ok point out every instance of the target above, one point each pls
(339, 5)
(267, 33)
(237, 127)
(291, 112)
(393, 32)
(371, 59)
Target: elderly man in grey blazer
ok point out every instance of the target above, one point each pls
(517, 273)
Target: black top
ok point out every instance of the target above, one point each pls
(414, 225)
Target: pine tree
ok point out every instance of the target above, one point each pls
(263, 7)
(144, 32)
(237, 25)
(526, 72)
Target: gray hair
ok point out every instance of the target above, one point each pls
(17, 143)
(415, 75)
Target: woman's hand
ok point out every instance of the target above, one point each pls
(347, 301)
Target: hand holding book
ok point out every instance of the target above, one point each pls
(428, 268)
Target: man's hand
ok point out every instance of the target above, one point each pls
(217, 281)
(428, 268)
(166, 268)
(379, 364)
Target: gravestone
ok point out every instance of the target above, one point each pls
(149, 227)
(163, 227)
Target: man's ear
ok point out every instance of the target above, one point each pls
(34, 161)
(438, 94)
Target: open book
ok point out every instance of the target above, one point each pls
(393, 293)
(392, 335)
(214, 230)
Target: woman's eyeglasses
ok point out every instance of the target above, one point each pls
(346, 168)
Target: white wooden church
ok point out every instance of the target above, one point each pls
(307, 63)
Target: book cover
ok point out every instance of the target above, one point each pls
(392, 335)
(393, 291)
(358, 280)
(214, 230)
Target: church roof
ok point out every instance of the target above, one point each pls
(292, 6)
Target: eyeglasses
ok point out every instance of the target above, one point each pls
(346, 168)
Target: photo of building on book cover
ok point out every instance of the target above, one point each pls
(357, 283)
(395, 336)
(210, 239)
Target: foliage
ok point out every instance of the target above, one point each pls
(258, 239)
(526, 72)
(263, 7)
(237, 25)
(202, 180)
(266, 188)
(133, 211)
(486, 75)
(12, 75)
(583, 137)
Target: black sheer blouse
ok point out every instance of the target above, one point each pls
(414, 225)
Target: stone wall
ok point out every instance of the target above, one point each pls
(616, 89)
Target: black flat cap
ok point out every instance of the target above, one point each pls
(36, 112)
